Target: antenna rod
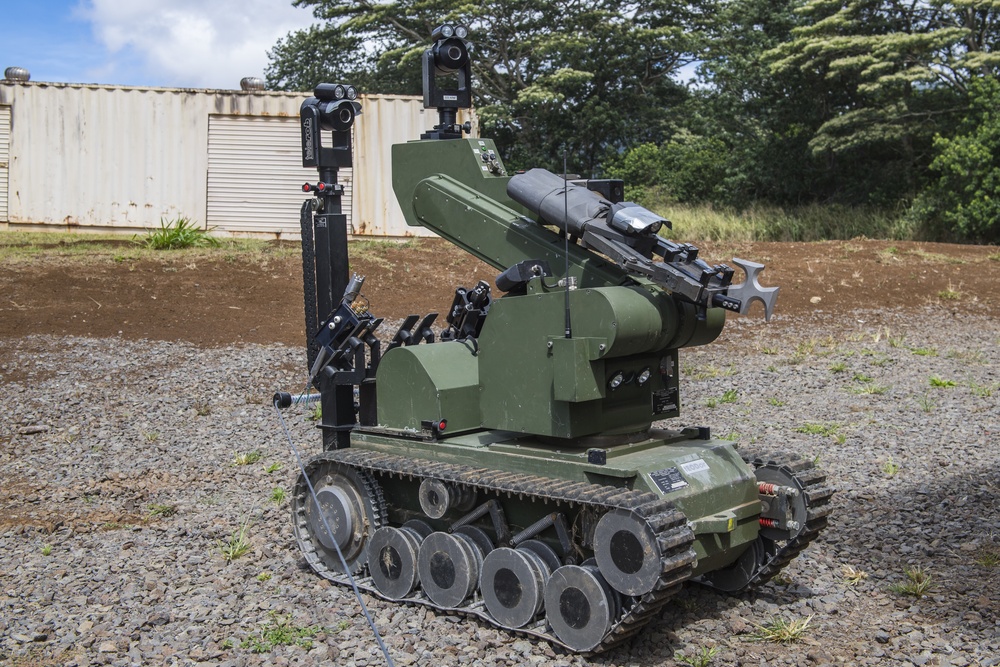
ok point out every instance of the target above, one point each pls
(569, 327)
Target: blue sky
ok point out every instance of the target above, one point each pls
(172, 43)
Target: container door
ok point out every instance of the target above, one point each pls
(255, 175)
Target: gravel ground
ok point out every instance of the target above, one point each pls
(103, 438)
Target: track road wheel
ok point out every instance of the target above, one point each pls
(627, 552)
(580, 606)
(350, 509)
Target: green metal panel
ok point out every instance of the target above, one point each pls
(430, 382)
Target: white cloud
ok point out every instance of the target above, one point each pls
(193, 43)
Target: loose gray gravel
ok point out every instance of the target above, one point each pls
(99, 435)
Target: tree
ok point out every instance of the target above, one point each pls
(906, 67)
(963, 202)
(589, 77)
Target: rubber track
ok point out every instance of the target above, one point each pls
(674, 536)
(817, 496)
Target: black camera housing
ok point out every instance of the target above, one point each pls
(448, 55)
(331, 109)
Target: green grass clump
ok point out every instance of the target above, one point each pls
(941, 383)
(988, 556)
(280, 631)
(918, 583)
(702, 658)
(238, 543)
(782, 631)
(274, 467)
(47, 550)
(838, 367)
(278, 495)
(161, 510)
(246, 458)
(817, 429)
(177, 234)
(890, 467)
(852, 575)
(924, 351)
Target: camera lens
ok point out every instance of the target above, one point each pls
(454, 53)
(346, 116)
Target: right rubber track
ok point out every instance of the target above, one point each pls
(670, 526)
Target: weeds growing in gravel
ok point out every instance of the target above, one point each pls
(246, 458)
(870, 389)
(924, 351)
(838, 367)
(203, 408)
(817, 429)
(782, 631)
(280, 631)
(278, 495)
(918, 582)
(926, 403)
(890, 467)
(178, 233)
(238, 543)
(702, 658)
(151, 436)
(941, 383)
(163, 511)
(264, 576)
(775, 402)
(988, 555)
(274, 467)
(47, 550)
(317, 413)
(852, 575)
(950, 294)
(982, 390)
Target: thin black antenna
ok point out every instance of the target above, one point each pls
(569, 327)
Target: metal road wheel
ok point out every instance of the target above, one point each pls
(627, 552)
(449, 568)
(513, 585)
(580, 606)
(392, 561)
(347, 510)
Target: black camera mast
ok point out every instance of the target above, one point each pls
(325, 267)
(449, 55)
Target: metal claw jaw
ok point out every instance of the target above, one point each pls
(750, 290)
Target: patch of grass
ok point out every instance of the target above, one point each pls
(782, 631)
(988, 556)
(709, 372)
(968, 356)
(995, 257)
(861, 377)
(264, 576)
(202, 408)
(890, 467)
(711, 403)
(918, 583)
(246, 458)
(870, 388)
(926, 403)
(274, 467)
(775, 402)
(177, 234)
(950, 294)
(163, 511)
(280, 631)
(894, 341)
(982, 390)
(47, 550)
(729, 396)
(838, 367)
(940, 383)
(935, 257)
(924, 351)
(731, 437)
(702, 658)
(238, 543)
(151, 436)
(852, 575)
(317, 413)
(769, 350)
(278, 495)
(817, 429)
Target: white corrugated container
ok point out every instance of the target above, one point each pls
(4, 159)
(93, 156)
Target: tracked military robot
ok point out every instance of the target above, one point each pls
(516, 464)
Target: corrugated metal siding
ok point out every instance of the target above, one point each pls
(117, 157)
(4, 159)
(386, 120)
(255, 175)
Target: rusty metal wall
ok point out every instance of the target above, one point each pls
(94, 156)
